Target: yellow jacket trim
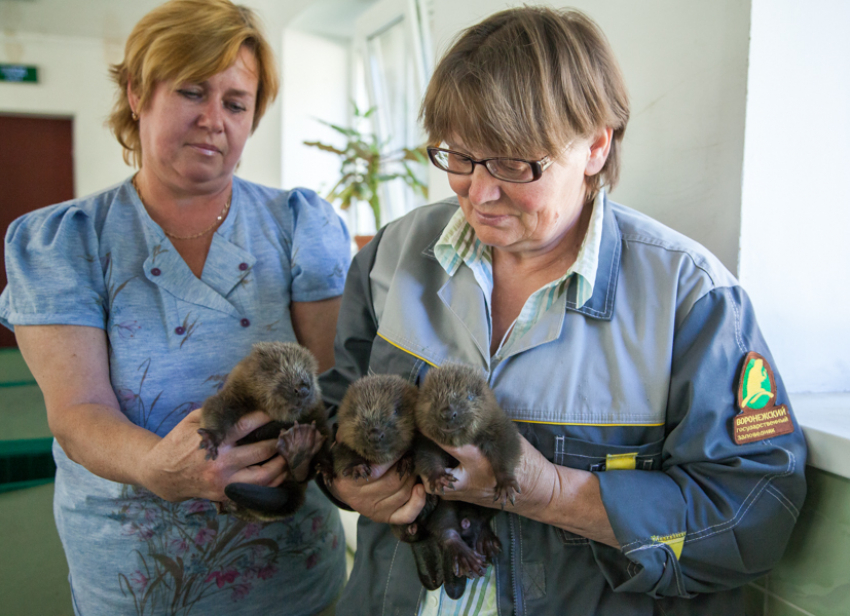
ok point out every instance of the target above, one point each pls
(676, 542)
(578, 423)
(620, 461)
(406, 351)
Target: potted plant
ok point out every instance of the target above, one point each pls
(365, 166)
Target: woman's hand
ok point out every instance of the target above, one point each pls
(384, 496)
(476, 482)
(564, 497)
(71, 366)
(177, 469)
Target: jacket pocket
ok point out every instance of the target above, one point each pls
(598, 457)
(603, 457)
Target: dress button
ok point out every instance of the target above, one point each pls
(245, 322)
(179, 330)
(156, 271)
(243, 266)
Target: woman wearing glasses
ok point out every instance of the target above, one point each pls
(614, 343)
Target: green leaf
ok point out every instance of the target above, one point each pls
(348, 132)
(419, 155)
(324, 146)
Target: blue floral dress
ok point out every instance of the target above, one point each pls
(101, 261)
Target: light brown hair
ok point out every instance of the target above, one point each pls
(528, 81)
(187, 41)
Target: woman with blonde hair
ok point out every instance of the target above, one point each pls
(614, 343)
(131, 306)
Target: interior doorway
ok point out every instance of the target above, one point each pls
(36, 169)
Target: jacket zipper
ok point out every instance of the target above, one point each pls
(515, 569)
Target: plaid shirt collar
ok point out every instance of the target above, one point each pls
(458, 245)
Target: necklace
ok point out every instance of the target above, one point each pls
(196, 235)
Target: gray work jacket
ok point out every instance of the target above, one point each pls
(638, 386)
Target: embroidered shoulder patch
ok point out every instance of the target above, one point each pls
(760, 417)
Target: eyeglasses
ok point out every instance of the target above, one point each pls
(508, 169)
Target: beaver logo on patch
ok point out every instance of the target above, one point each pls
(760, 418)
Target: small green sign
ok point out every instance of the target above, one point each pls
(18, 73)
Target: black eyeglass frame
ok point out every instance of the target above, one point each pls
(537, 166)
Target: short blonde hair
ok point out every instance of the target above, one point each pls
(186, 41)
(527, 81)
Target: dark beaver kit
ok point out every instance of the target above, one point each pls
(280, 379)
(456, 407)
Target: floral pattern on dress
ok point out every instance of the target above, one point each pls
(187, 328)
(134, 406)
(112, 288)
(188, 552)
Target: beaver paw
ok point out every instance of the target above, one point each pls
(488, 544)
(209, 441)
(298, 445)
(405, 465)
(465, 561)
(506, 490)
(440, 481)
(358, 471)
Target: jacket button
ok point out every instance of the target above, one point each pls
(245, 322)
(180, 330)
(156, 271)
(243, 266)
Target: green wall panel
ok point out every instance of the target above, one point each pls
(33, 569)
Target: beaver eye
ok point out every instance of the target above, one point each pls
(470, 397)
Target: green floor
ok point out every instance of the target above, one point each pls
(33, 570)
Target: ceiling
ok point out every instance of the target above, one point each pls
(113, 19)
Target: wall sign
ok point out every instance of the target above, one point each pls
(18, 73)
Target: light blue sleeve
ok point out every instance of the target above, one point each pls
(321, 248)
(53, 270)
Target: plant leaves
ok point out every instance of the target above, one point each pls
(324, 146)
(365, 164)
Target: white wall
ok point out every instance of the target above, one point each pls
(73, 74)
(795, 255)
(315, 87)
(262, 158)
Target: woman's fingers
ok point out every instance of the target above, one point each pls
(279, 479)
(264, 474)
(243, 456)
(473, 477)
(383, 496)
(378, 471)
(408, 512)
(247, 424)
